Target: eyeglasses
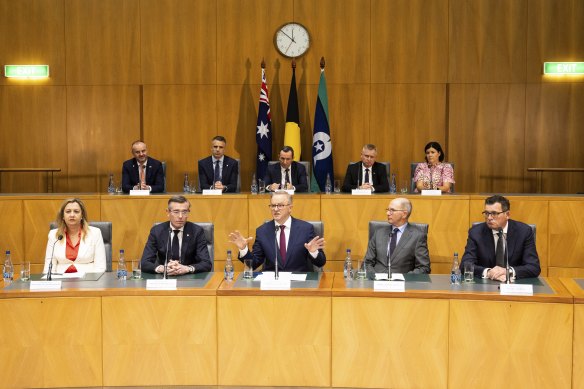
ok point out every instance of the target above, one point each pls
(277, 206)
(492, 214)
(391, 210)
(176, 212)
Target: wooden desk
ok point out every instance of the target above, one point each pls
(48, 170)
(274, 338)
(576, 288)
(433, 336)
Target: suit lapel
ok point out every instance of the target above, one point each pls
(490, 241)
(291, 241)
(403, 241)
(511, 232)
(186, 240)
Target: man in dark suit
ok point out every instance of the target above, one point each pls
(288, 174)
(142, 172)
(218, 170)
(403, 244)
(367, 174)
(483, 249)
(294, 244)
(182, 242)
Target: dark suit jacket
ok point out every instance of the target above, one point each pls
(297, 176)
(228, 175)
(379, 179)
(297, 257)
(193, 249)
(410, 255)
(480, 249)
(154, 175)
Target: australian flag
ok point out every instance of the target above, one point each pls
(322, 147)
(263, 131)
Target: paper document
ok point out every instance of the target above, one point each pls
(283, 275)
(61, 276)
(394, 277)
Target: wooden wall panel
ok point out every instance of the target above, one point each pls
(340, 32)
(487, 137)
(12, 229)
(566, 238)
(407, 117)
(487, 41)
(32, 119)
(236, 56)
(409, 41)
(103, 41)
(554, 34)
(32, 34)
(554, 115)
(102, 123)
(179, 122)
(178, 42)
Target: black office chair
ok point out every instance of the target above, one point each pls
(413, 170)
(306, 165)
(374, 225)
(209, 231)
(106, 234)
(533, 228)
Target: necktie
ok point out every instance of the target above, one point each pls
(217, 173)
(393, 241)
(366, 176)
(287, 176)
(283, 244)
(142, 175)
(175, 248)
(500, 252)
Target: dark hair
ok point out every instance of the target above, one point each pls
(219, 138)
(436, 146)
(505, 205)
(178, 199)
(287, 149)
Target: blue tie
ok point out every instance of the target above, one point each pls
(217, 173)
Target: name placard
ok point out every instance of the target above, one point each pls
(212, 192)
(389, 286)
(361, 192)
(161, 284)
(431, 192)
(516, 290)
(45, 285)
(139, 192)
(272, 284)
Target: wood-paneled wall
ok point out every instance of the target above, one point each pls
(400, 73)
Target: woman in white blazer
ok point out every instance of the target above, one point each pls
(74, 245)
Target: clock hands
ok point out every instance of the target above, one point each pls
(290, 37)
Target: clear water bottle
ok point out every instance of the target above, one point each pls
(186, 187)
(122, 272)
(455, 275)
(254, 184)
(228, 267)
(348, 268)
(8, 271)
(328, 188)
(111, 187)
(393, 185)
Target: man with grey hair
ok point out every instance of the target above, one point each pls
(292, 241)
(367, 174)
(401, 243)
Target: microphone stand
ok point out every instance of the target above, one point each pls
(276, 275)
(50, 272)
(507, 278)
(165, 276)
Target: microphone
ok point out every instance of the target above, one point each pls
(276, 275)
(507, 278)
(50, 272)
(166, 257)
(388, 259)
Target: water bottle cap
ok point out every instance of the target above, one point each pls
(121, 251)
(7, 251)
(348, 250)
(456, 253)
(228, 251)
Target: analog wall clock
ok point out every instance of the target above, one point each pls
(292, 40)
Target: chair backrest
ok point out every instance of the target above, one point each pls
(318, 226)
(209, 231)
(413, 170)
(106, 234)
(374, 225)
(306, 165)
(533, 228)
(164, 174)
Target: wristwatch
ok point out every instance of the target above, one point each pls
(191, 269)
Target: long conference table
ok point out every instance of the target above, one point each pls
(324, 332)
(560, 233)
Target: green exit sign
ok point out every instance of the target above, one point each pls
(26, 71)
(560, 68)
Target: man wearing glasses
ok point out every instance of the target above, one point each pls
(403, 244)
(485, 246)
(289, 239)
(179, 243)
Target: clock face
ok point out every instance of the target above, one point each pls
(292, 40)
